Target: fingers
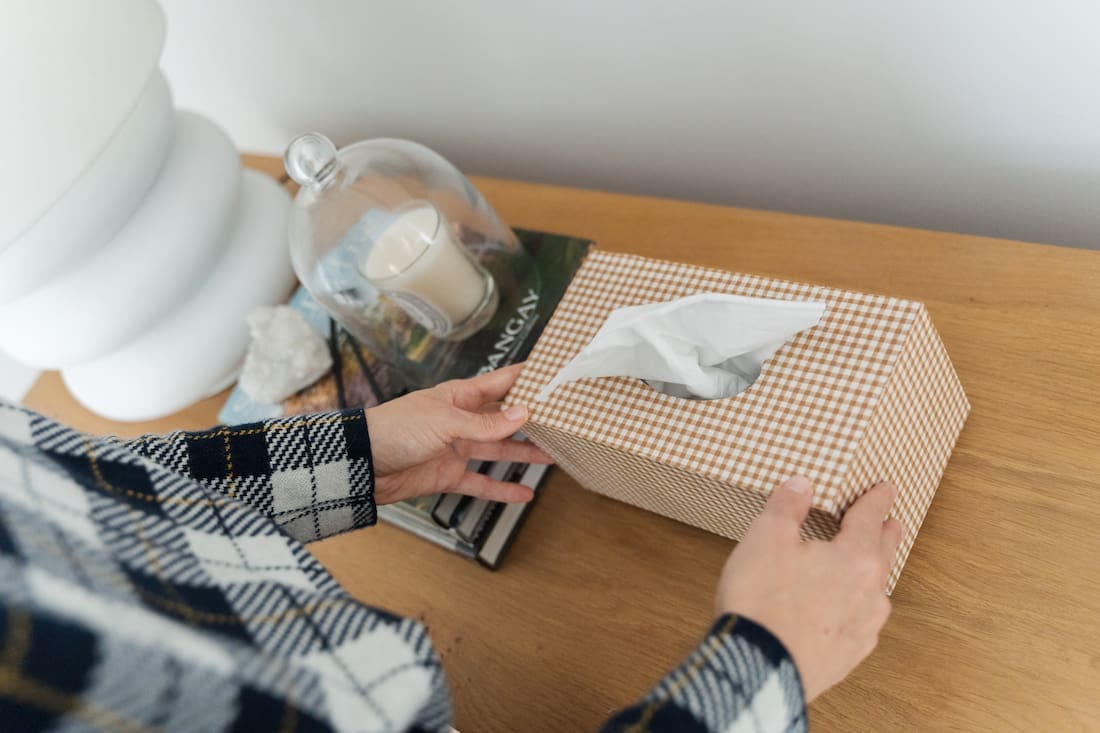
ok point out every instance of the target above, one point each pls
(515, 451)
(789, 504)
(863, 522)
(892, 534)
(489, 426)
(481, 486)
(469, 394)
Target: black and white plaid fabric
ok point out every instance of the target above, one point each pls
(739, 680)
(161, 584)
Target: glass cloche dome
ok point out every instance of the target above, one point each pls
(403, 252)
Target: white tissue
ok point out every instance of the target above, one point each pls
(706, 346)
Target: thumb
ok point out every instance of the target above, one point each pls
(790, 502)
(488, 427)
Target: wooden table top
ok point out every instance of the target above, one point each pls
(996, 622)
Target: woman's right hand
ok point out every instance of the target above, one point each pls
(825, 601)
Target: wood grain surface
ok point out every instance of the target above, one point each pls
(996, 622)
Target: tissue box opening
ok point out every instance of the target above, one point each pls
(867, 395)
(705, 346)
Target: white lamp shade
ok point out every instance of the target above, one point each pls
(100, 200)
(201, 344)
(151, 265)
(70, 73)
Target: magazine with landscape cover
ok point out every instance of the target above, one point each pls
(476, 528)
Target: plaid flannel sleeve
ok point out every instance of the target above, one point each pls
(740, 678)
(312, 474)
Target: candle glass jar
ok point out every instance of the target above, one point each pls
(402, 250)
(415, 259)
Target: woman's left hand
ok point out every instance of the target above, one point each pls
(421, 442)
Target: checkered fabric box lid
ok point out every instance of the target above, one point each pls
(869, 394)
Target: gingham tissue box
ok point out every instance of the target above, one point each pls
(867, 395)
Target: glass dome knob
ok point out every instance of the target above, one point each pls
(310, 159)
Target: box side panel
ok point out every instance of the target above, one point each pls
(912, 433)
(672, 492)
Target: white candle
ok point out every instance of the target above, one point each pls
(417, 262)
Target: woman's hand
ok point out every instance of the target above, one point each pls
(421, 442)
(825, 601)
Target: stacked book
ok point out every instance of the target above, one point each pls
(476, 528)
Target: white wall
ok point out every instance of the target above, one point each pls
(952, 114)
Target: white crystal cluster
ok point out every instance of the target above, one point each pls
(285, 356)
